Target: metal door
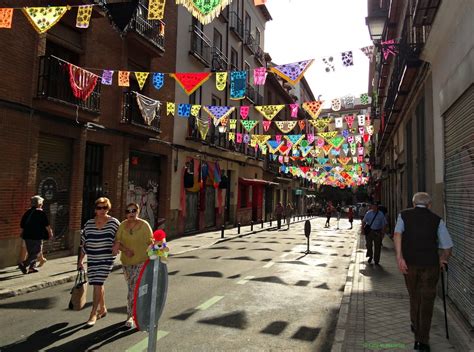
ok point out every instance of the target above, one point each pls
(210, 211)
(191, 220)
(92, 179)
(459, 195)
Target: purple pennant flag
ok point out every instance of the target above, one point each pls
(107, 77)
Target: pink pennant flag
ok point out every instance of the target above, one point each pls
(280, 159)
(256, 147)
(389, 48)
(320, 142)
(289, 144)
(266, 125)
(239, 138)
(259, 76)
(360, 159)
(244, 111)
(310, 138)
(294, 110)
(278, 138)
(361, 130)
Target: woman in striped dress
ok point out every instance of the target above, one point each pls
(97, 239)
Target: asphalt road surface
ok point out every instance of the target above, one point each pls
(256, 293)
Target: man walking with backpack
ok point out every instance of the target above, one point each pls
(373, 226)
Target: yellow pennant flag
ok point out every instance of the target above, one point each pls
(269, 111)
(156, 9)
(141, 78)
(170, 108)
(221, 80)
(43, 18)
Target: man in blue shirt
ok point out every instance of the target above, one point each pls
(373, 239)
(423, 246)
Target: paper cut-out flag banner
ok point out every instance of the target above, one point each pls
(269, 111)
(349, 120)
(294, 110)
(337, 141)
(305, 150)
(184, 110)
(190, 81)
(301, 123)
(203, 126)
(82, 82)
(347, 58)
(262, 139)
(221, 80)
(232, 124)
(158, 80)
(120, 14)
(148, 107)
(295, 139)
(170, 108)
(249, 124)
(259, 76)
(328, 135)
(266, 125)
(274, 146)
(293, 72)
(336, 104)
(204, 10)
(43, 18)
(83, 16)
(107, 77)
(218, 112)
(156, 9)
(368, 51)
(238, 85)
(286, 126)
(244, 111)
(195, 110)
(313, 108)
(6, 17)
(320, 124)
(124, 79)
(141, 78)
(364, 98)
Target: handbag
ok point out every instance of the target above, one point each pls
(367, 228)
(79, 291)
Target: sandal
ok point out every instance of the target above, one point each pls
(41, 262)
(102, 314)
(92, 320)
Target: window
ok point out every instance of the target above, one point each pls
(61, 52)
(247, 68)
(257, 37)
(234, 59)
(194, 99)
(244, 195)
(217, 41)
(248, 24)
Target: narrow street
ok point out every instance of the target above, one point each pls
(256, 293)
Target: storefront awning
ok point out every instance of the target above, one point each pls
(255, 181)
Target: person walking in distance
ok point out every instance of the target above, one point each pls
(36, 228)
(279, 210)
(350, 215)
(288, 213)
(338, 213)
(328, 214)
(423, 246)
(374, 232)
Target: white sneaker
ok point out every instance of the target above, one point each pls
(129, 323)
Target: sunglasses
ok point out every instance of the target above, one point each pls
(102, 208)
(131, 211)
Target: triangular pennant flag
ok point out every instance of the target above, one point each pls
(120, 14)
(322, 161)
(305, 150)
(284, 149)
(293, 72)
(43, 18)
(337, 141)
(204, 10)
(310, 138)
(304, 143)
(249, 124)
(244, 111)
(269, 111)
(327, 148)
(203, 126)
(274, 146)
(195, 110)
(221, 80)
(217, 112)
(141, 78)
(158, 80)
(368, 51)
(156, 9)
(83, 16)
(82, 82)
(313, 108)
(262, 139)
(6, 17)
(149, 108)
(266, 125)
(278, 137)
(328, 135)
(349, 120)
(294, 138)
(190, 81)
(285, 126)
(301, 123)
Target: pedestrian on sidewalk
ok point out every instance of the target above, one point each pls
(423, 246)
(97, 240)
(133, 238)
(339, 214)
(35, 228)
(279, 210)
(350, 215)
(373, 237)
(288, 213)
(329, 209)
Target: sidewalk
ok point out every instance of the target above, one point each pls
(374, 313)
(59, 271)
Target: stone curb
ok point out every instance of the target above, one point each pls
(7, 293)
(343, 315)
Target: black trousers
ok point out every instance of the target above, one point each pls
(421, 284)
(373, 241)
(34, 248)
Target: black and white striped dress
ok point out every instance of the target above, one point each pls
(97, 244)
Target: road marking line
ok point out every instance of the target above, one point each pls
(269, 265)
(245, 280)
(209, 302)
(143, 344)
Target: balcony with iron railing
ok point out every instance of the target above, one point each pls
(236, 25)
(54, 85)
(250, 41)
(259, 55)
(153, 31)
(219, 62)
(131, 114)
(201, 47)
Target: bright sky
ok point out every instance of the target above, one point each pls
(313, 29)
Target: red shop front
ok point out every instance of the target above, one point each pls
(250, 201)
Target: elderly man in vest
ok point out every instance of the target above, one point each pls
(423, 246)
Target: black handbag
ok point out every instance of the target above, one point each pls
(367, 228)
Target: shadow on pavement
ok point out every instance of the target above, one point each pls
(43, 338)
(42, 303)
(97, 339)
(374, 271)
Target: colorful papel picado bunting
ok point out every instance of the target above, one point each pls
(204, 10)
(269, 111)
(313, 108)
(249, 124)
(191, 81)
(285, 126)
(293, 72)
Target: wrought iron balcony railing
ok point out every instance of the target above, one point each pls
(200, 46)
(131, 114)
(219, 60)
(53, 84)
(151, 30)
(236, 24)
(250, 41)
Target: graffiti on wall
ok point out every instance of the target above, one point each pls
(147, 198)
